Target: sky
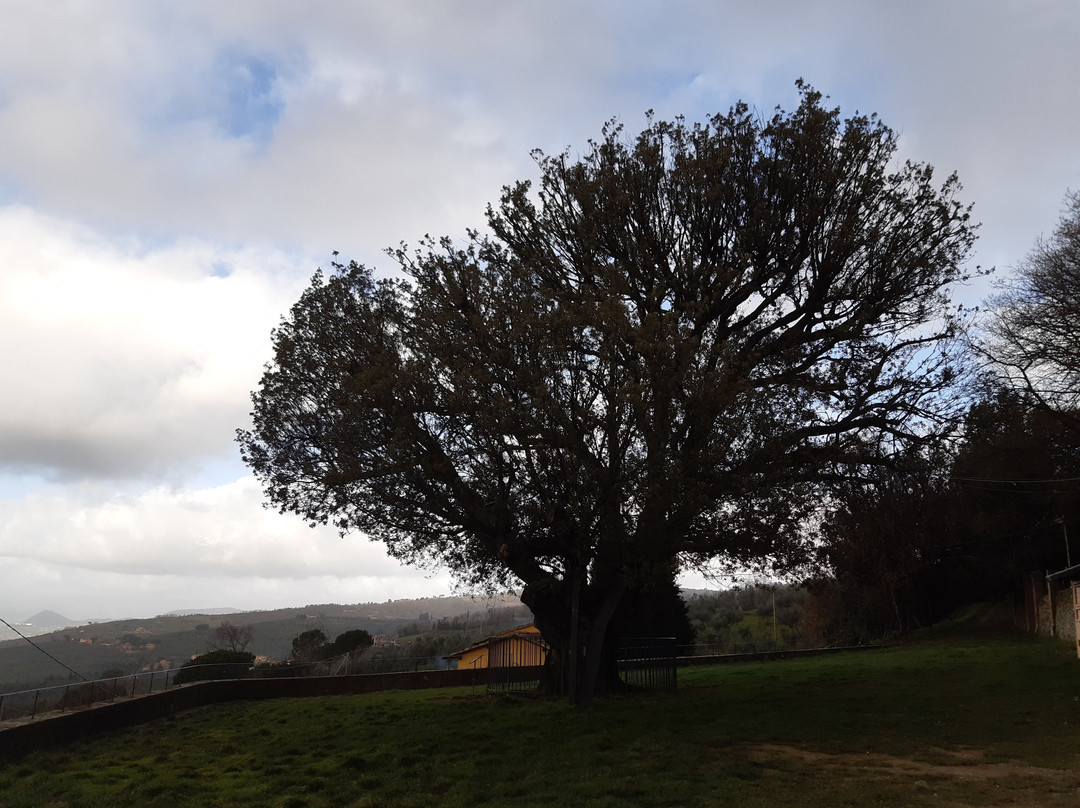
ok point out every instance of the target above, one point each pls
(173, 173)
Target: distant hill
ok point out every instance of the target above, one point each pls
(49, 620)
(140, 644)
(189, 612)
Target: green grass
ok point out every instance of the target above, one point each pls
(950, 718)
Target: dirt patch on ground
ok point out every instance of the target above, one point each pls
(967, 764)
(950, 777)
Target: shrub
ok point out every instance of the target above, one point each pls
(219, 664)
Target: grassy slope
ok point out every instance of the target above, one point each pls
(964, 716)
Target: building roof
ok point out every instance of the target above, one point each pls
(527, 632)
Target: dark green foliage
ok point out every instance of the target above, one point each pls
(1015, 479)
(217, 664)
(485, 621)
(310, 646)
(741, 620)
(354, 640)
(905, 546)
(657, 610)
(428, 649)
(313, 646)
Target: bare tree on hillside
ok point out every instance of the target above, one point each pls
(233, 638)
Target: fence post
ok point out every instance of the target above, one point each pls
(33, 710)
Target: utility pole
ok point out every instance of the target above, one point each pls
(775, 641)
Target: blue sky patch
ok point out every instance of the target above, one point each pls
(248, 104)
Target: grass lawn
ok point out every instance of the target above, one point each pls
(956, 716)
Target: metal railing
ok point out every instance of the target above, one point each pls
(752, 646)
(29, 704)
(648, 662)
(26, 705)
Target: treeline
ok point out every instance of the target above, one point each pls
(749, 619)
(905, 544)
(488, 620)
(958, 522)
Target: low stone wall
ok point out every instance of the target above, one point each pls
(62, 728)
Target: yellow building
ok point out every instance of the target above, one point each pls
(515, 648)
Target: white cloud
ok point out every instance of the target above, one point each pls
(382, 122)
(123, 363)
(35, 586)
(221, 531)
(171, 130)
(191, 547)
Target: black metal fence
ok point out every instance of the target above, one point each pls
(515, 662)
(648, 662)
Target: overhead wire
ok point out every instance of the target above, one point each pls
(999, 480)
(46, 653)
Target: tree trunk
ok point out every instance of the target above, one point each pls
(592, 619)
(601, 659)
(550, 601)
(595, 668)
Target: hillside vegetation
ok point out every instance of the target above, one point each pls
(130, 646)
(962, 715)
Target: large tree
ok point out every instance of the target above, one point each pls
(656, 357)
(1034, 331)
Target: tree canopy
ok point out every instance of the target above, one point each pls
(309, 646)
(655, 356)
(313, 645)
(1034, 333)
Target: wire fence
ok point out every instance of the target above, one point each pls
(26, 705)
